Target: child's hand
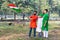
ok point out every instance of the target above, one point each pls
(38, 16)
(44, 25)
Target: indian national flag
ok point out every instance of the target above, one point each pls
(13, 6)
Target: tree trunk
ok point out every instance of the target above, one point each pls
(14, 16)
(5, 16)
(39, 6)
(59, 13)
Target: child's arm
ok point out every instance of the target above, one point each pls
(30, 17)
(45, 23)
(46, 19)
(35, 18)
(39, 17)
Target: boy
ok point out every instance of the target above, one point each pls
(39, 24)
(33, 23)
(45, 23)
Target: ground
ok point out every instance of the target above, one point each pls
(19, 31)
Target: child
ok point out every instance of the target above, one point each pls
(39, 24)
(33, 23)
(45, 23)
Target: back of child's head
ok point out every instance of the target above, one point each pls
(46, 10)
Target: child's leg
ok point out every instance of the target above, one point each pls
(39, 34)
(46, 34)
(30, 32)
(34, 32)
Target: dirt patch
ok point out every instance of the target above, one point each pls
(11, 36)
(54, 34)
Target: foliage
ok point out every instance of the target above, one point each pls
(28, 5)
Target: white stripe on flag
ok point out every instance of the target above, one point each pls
(14, 7)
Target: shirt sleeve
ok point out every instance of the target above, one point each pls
(41, 14)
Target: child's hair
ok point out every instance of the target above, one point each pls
(46, 10)
(35, 11)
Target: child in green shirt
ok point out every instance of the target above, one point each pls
(45, 23)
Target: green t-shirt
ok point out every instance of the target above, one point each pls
(45, 21)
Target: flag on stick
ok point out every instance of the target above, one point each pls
(14, 7)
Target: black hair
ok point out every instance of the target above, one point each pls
(35, 11)
(46, 10)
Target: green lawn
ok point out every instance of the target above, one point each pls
(6, 30)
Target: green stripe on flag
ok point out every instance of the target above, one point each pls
(17, 10)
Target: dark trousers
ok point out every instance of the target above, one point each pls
(31, 32)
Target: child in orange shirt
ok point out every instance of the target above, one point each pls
(33, 23)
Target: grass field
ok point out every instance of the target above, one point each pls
(20, 32)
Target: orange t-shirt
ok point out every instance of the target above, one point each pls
(33, 21)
